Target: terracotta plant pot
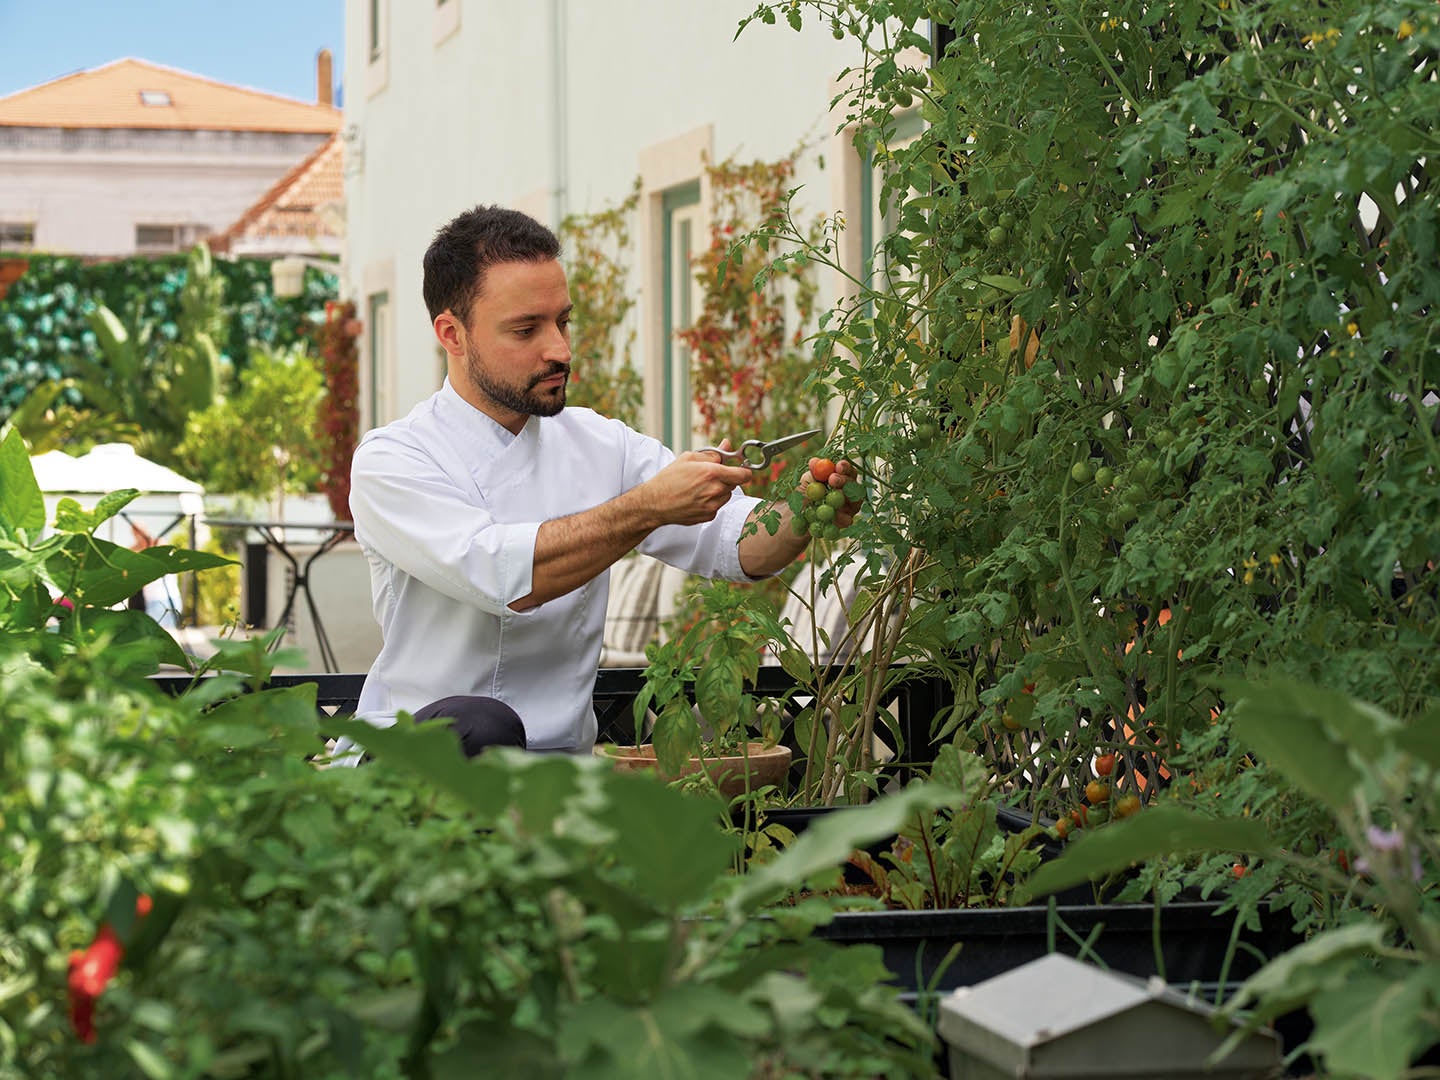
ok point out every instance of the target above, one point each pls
(767, 764)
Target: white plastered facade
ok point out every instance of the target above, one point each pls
(555, 107)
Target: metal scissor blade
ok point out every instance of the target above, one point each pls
(770, 449)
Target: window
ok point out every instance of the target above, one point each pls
(378, 308)
(377, 66)
(155, 97)
(158, 239)
(17, 236)
(680, 207)
(373, 25)
(877, 222)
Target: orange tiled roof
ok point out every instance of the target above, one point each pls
(110, 97)
(288, 208)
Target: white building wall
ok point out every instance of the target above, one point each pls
(85, 196)
(553, 106)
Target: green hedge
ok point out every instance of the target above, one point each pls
(42, 318)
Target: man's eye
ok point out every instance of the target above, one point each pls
(524, 331)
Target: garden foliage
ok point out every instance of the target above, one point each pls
(46, 334)
(186, 892)
(1144, 385)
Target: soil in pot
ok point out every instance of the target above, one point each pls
(767, 765)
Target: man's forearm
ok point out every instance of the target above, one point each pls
(571, 550)
(763, 554)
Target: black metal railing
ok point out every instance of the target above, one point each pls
(913, 702)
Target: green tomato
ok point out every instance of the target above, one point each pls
(832, 531)
(817, 529)
(815, 491)
(1105, 476)
(997, 235)
(834, 498)
(825, 513)
(1081, 472)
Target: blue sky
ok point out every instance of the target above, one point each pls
(263, 44)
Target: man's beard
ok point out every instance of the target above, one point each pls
(524, 400)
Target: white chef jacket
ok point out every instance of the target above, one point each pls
(447, 503)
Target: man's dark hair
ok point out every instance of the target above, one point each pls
(468, 245)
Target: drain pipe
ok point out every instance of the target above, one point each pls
(560, 121)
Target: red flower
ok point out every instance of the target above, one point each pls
(92, 970)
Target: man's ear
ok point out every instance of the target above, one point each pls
(450, 332)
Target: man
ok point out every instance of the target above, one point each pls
(490, 515)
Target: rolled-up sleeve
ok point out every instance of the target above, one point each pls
(710, 549)
(414, 516)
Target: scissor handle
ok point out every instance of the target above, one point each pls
(744, 453)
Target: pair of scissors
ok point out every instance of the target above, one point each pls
(754, 454)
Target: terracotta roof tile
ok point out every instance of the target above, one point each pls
(288, 208)
(110, 97)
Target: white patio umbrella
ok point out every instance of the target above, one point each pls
(56, 470)
(113, 466)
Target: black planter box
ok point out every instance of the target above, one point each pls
(1193, 938)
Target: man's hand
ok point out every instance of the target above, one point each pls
(693, 487)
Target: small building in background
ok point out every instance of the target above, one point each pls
(302, 213)
(135, 158)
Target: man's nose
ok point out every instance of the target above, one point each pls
(557, 345)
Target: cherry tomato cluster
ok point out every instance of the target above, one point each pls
(1100, 803)
(826, 491)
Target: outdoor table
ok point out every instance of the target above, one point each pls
(274, 535)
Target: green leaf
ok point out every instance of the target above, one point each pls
(71, 517)
(543, 785)
(1162, 831)
(1291, 727)
(672, 843)
(126, 627)
(98, 573)
(496, 1049)
(718, 692)
(1374, 1024)
(828, 843)
(21, 504)
(151, 1062)
(676, 737)
(432, 752)
(1294, 977)
(675, 1038)
(1421, 738)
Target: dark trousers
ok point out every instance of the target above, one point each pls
(481, 722)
